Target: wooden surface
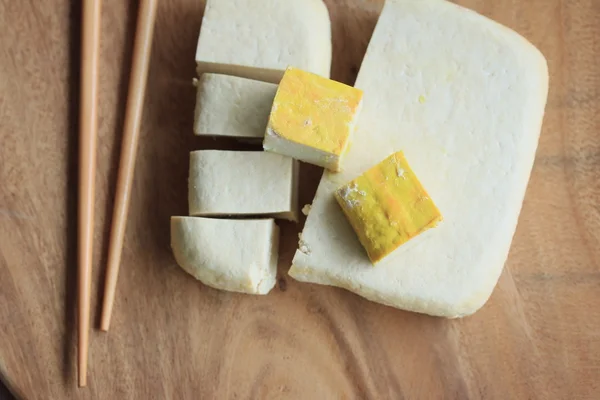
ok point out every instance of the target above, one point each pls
(171, 337)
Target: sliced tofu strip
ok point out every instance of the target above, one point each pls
(234, 255)
(464, 98)
(242, 183)
(259, 40)
(232, 106)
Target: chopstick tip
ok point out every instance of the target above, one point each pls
(106, 312)
(82, 381)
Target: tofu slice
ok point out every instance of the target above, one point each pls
(242, 183)
(312, 118)
(232, 106)
(387, 206)
(233, 255)
(465, 97)
(258, 41)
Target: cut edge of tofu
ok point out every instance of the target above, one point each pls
(353, 125)
(285, 215)
(265, 285)
(274, 143)
(295, 215)
(242, 71)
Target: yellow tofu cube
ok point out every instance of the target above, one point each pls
(312, 118)
(387, 206)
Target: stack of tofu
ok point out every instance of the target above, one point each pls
(230, 240)
(457, 94)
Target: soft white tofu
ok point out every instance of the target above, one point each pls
(232, 106)
(259, 40)
(234, 255)
(242, 183)
(464, 98)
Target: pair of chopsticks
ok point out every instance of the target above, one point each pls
(87, 157)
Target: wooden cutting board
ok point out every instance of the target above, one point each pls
(173, 338)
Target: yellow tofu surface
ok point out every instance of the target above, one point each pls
(387, 206)
(312, 118)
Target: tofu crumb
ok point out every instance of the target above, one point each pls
(345, 193)
(306, 209)
(400, 173)
(303, 247)
(271, 132)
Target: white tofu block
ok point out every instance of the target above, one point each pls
(242, 183)
(259, 40)
(464, 98)
(234, 255)
(233, 106)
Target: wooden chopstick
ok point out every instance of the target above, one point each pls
(133, 114)
(90, 49)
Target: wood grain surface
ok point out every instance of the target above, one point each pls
(173, 338)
